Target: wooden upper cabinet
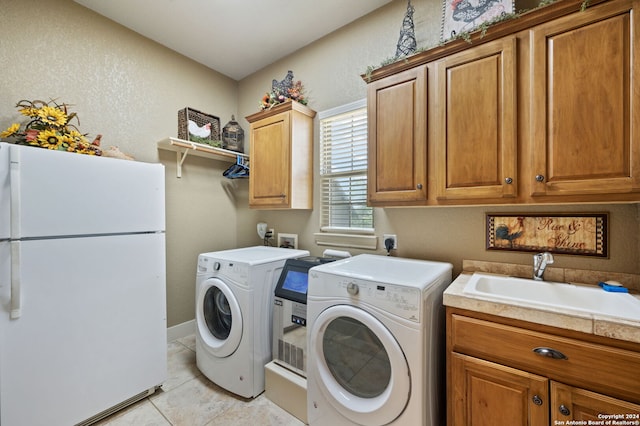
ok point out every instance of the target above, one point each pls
(476, 154)
(585, 106)
(540, 109)
(281, 153)
(397, 146)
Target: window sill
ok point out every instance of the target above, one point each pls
(367, 242)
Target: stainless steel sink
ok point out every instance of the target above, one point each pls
(554, 296)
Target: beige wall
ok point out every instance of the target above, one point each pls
(129, 89)
(330, 69)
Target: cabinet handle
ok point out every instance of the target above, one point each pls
(551, 353)
(564, 410)
(537, 400)
(540, 178)
(508, 181)
(419, 186)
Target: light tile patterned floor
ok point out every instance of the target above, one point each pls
(188, 398)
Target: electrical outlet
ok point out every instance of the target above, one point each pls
(393, 237)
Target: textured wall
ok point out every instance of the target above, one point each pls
(330, 69)
(129, 89)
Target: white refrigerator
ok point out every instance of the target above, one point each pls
(82, 285)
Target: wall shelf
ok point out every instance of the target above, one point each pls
(182, 148)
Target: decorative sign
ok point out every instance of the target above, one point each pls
(580, 234)
(463, 16)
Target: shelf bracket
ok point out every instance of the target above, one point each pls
(179, 161)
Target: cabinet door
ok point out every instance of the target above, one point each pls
(397, 120)
(270, 151)
(569, 403)
(476, 142)
(585, 110)
(483, 393)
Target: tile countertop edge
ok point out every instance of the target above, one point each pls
(602, 326)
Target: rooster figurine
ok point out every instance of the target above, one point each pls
(282, 87)
(201, 132)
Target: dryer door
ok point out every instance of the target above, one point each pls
(218, 318)
(362, 370)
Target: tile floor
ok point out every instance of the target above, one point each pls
(188, 398)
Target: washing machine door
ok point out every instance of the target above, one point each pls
(362, 370)
(219, 318)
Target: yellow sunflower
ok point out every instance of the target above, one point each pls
(68, 142)
(12, 130)
(53, 116)
(77, 137)
(88, 151)
(50, 139)
(29, 111)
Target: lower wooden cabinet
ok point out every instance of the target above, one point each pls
(505, 372)
(487, 394)
(572, 403)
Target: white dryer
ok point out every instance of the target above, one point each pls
(376, 342)
(234, 298)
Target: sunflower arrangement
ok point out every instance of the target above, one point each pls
(49, 127)
(275, 97)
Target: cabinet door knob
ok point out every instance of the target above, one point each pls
(564, 410)
(537, 400)
(551, 353)
(419, 186)
(540, 178)
(508, 181)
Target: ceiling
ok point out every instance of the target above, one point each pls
(234, 37)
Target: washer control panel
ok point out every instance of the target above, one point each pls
(238, 271)
(397, 300)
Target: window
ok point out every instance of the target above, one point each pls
(343, 169)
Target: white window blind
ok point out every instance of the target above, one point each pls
(343, 170)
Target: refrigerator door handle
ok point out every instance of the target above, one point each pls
(14, 160)
(16, 302)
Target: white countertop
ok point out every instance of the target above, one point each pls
(612, 327)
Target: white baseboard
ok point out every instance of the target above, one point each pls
(181, 330)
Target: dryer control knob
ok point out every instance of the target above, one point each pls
(352, 289)
(216, 266)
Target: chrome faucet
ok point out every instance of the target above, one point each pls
(540, 262)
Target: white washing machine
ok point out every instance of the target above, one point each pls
(234, 299)
(375, 329)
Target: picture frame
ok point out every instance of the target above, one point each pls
(197, 126)
(288, 241)
(464, 16)
(572, 233)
